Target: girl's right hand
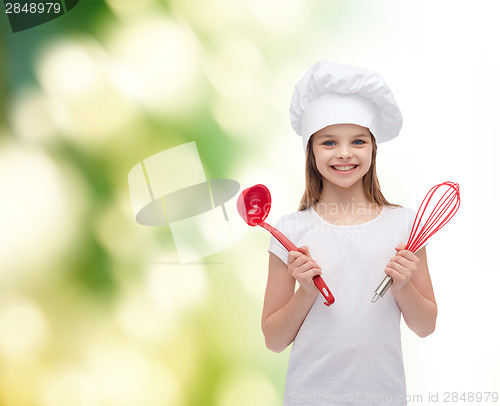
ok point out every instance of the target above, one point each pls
(303, 268)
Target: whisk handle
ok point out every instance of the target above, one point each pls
(382, 288)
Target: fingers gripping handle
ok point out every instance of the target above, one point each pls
(290, 246)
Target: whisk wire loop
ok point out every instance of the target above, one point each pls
(443, 211)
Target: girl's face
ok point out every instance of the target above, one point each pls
(343, 153)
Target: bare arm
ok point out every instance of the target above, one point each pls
(412, 289)
(284, 308)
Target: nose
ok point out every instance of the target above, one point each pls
(344, 152)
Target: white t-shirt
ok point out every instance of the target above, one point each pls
(348, 353)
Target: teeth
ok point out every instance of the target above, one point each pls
(344, 168)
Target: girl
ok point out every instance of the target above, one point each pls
(348, 353)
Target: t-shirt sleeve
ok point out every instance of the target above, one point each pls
(275, 247)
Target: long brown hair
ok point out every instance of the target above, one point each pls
(314, 181)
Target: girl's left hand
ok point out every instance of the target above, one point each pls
(402, 267)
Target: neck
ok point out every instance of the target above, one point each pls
(346, 206)
(337, 195)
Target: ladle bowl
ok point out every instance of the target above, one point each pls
(253, 205)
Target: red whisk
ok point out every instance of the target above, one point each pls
(445, 208)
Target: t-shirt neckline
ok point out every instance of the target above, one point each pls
(363, 224)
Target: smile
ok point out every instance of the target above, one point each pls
(344, 168)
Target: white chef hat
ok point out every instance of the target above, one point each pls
(332, 93)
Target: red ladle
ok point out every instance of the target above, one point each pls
(253, 206)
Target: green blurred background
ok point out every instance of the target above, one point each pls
(95, 309)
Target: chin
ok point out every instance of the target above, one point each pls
(345, 184)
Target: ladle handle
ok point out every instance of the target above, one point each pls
(290, 246)
(323, 288)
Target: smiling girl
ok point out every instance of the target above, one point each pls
(349, 353)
